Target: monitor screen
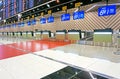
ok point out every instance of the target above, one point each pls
(78, 15)
(22, 24)
(13, 25)
(107, 10)
(28, 23)
(19, 24)
(43, 20)
(33, 22)
(65, 17)
(50, 19)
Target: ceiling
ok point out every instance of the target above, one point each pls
(86, 8)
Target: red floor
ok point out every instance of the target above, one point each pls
(16, 49)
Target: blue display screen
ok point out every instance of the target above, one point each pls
(65, 17)
(50, 19)
(22, 24)
(107, 10)
(43, 20)
(78, 15)
(13, 25)
(33, 22)
(19, 24)
(28, 23)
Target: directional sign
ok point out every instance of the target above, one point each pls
(43, 21)
(65, 17)
(50, 19)
(107, 10)
(78, 15)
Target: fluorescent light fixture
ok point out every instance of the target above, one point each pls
(19, 15)
(58, 9)
(102, 32)
(73, 33)
(91, 8)
(37, 33)
(45, 33)
(4, 21)
(60, 32)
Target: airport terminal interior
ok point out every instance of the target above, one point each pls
(59, 39)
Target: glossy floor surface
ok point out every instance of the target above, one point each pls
(104, 53)
(10, 49)
(96, 65)
(37, 59)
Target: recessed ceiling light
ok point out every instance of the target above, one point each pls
(37, 8)
(48, 5)
(71, 3)
(91, 0)
(33, 10)
(58, 9)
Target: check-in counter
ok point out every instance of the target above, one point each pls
(5, 34)
(24, 34)
(46, 34)
(74, 35)
(19, 34)
(119, 38)
(60, 35)
(1, 34)
(103, 36)
(15, 34)
(11, 34)
(38, 34)
(30, 34)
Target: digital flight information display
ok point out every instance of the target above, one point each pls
(12, 7)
